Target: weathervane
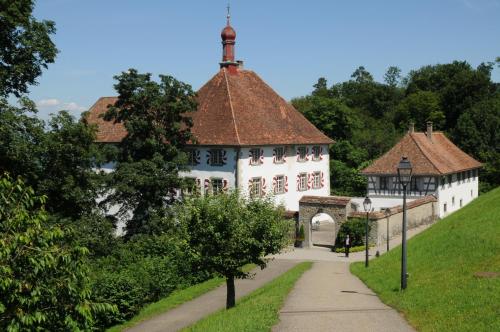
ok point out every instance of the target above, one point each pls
(228, 14)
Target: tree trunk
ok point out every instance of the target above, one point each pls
(231, 294)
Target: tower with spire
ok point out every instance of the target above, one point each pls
(228, 36)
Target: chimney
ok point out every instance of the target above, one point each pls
(411, 128)
(429, 130)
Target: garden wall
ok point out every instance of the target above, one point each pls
(419, 212)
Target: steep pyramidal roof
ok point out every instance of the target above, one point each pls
(428, 156)
(235, 109)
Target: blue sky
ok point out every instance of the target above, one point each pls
(288, 43)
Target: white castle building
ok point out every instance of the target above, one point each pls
(440, 168)
(248, 137)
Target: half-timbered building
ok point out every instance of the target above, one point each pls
(440, 168)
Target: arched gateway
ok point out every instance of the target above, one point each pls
(337, 207)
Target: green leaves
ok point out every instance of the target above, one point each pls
(44, 281)
(156, 116)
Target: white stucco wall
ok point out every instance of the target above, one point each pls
(204, 171)
(467, 190)
(291, 168)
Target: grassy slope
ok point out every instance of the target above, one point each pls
(175, 299)
(258, 311)
(442, 293)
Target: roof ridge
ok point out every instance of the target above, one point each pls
(231, 106)
(425, 154)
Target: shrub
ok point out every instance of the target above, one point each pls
(302, 234)
(140, 271)
(355, 227)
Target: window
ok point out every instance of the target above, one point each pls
(413, 185)
(450, 180)
(459, 177)
(279, 185)
(316, 180)
(469, 175)
(255, 156)
(191, 187)
(384, 182)
(279, 155)
(192, 155)
(443, 181)
(302, 181)
(460, 202)
(217, 157)
(453, 201)
(316, 150)
(445, 207)
(217, 186)
(302, 153)
(256, 188)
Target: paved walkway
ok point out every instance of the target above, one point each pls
(329, 298)
(325, 254)
(192, 311)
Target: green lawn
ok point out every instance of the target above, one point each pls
(443, 294)
(173, 300)
(258, 311)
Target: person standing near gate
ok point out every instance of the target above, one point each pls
(347, 244)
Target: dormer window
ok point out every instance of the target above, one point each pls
(217, 157)
(302, 153)
(193, 157)
(255, 156)
(279, 155)
(316, 153)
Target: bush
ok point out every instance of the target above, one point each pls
(140, 271)
(351, 249)
(302, 234)
(355, 227)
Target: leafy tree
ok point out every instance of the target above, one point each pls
(26, 47)
(44, 282)
(361, 75)
(457, 84)
(329, 115)
(420, 107)
(56, 162)
(156, 116)
(392, 76)
(321, 88)
(226, 232)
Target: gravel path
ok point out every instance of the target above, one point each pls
(329, 298)
(192, 311)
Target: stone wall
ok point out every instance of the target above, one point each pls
(336, 207)
(419, 212)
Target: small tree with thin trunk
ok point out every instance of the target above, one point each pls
(227, 232)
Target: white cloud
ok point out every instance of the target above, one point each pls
(52, 102)
(72, 106)
(54, 105)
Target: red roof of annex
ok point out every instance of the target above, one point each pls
(430, 153)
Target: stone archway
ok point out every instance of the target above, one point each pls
(337, 207)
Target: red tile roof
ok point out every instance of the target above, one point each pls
(108, 132)
(235, 109)
(436, 156)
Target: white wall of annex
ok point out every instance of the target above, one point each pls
(467, 190)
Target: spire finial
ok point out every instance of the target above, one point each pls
(228, 13)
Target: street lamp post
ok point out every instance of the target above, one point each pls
(387, 213)
(367, 205)
(404, 177)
